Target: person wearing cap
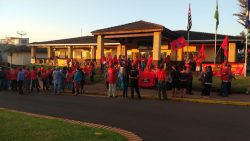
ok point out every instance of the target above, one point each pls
(134, 77)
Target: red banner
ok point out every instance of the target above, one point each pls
(147, 79)
(236, 68)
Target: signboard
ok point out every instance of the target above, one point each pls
(32, 60)
(62, 62)
(147, 79)
(237, 68)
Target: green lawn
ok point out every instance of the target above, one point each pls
(238, 86)
(19, 127)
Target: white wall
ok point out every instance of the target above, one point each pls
(23, 58)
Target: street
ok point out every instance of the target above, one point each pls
(152, 120)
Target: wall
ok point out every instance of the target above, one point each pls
(23, 58)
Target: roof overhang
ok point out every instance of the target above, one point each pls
(91, 44)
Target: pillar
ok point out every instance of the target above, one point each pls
(232, 52)
(156, 47)
(93, 52)
(70, 52)
(124, 50)
(119, 50)
(99, 50)
(33, 52)
(50, 52)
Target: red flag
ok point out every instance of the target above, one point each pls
(202, 52)
(178, 43)
(224, 46)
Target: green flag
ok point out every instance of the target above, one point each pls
(216, 15)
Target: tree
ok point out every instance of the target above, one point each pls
(241, 15)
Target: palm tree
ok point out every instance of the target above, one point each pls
(241, 15)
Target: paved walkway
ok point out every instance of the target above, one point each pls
(99, 89)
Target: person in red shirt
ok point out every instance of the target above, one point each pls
(149, 63)
(115, 60)
(135, 61)
(109, 59)
(225, 73)
(45, 79)
(34, 80)
(13, 78)
(161, 76)
(7, 72)
(69, 79)
(112, 79)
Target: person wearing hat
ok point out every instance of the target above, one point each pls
(134, 77)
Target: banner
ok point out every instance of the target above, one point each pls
(236, 68)
(62, 62)
(147, 79)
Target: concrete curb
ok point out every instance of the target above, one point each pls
(127, 134)
(206, 101)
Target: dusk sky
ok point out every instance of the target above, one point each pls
(57, 19)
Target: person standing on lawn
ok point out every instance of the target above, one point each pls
(161, 76)
(208, 80)
(231, 77)
(175, 78)
(134, 77)
(224, 80)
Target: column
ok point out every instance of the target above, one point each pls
(119, 50)
(156, 47)
(70, 52)
(93, 52)
(50, 52)
(33, 55)
(232, 52)
(99, 50)
(123, 50)
(33, 52)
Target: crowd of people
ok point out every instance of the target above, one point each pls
(119, 73)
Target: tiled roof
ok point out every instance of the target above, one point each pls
(202, 36)
(77, 40)
(134, 26)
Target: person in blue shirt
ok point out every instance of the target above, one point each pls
(20, 80)
(78, 77)
(58, 78)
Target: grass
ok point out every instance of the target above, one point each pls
(238, 86)
(20, 127)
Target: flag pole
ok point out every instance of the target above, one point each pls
(215, 46)
(246, 53)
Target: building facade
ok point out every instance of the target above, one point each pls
(134, 39)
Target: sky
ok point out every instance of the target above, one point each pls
(57, 19)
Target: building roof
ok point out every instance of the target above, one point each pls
(25, 49)
(195, 36)
(130, 27)
(77, 40)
